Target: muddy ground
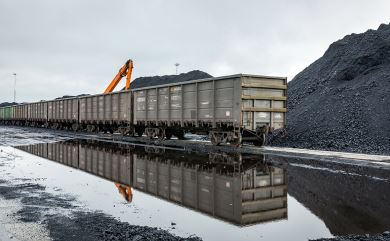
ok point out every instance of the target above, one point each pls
(378, 237)
(61, 219)
(30, 212)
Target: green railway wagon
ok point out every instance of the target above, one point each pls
(8, 112)
(1, 113)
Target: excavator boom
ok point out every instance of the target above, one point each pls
(125, 70)
(125, 191)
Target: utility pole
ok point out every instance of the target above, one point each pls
(14, 74)
(177, 67)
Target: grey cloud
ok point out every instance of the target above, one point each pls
(74, 47)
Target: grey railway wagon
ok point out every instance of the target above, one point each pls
(37, 111)
(238, 101)
(107, 109)
(63, 110)
(230, 109)
(17, 113)
(21, 112)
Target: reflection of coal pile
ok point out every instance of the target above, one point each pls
(341, 101)
(235, 188)
(355, 203)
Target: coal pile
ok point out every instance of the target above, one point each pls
(147, 81)
(341, 102)
(69, 96)
(367, 237)
(5, 104)
(167, 79)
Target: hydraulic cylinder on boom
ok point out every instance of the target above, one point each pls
(125, 70)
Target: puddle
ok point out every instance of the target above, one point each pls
(214, 196)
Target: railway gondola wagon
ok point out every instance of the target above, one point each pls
(21, 114)
(231, 109)
(63, 113)
(2, 120)
(108, 112)
(37, 113)
(2, 115)
(8, 115)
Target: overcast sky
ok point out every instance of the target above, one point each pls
(75, 46)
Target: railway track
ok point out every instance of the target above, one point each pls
(206, 146)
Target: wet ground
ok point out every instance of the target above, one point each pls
(54, 188)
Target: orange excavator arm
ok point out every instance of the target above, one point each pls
(126, 70)
(125, 191)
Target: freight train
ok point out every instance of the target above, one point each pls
(230, 109)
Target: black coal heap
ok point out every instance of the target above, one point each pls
(342, 100)
(167, 79)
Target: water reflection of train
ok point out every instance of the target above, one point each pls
(239, 189)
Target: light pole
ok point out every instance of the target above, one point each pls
(14, 87)
(177, 67)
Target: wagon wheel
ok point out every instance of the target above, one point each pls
(161, 134)
(75, 127)
(168, 135)
(180, 135)
(139, 132)
(122, 130)
(260, 141)
(237, 141)
(132, 131)
(215, 140)
(97, 129)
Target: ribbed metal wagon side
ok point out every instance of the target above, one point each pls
(231, 109)
(246, 195)
(107, 112)
(36, 113)
(63, 113)
(2, 118)
(20, 114)
(9, 114)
